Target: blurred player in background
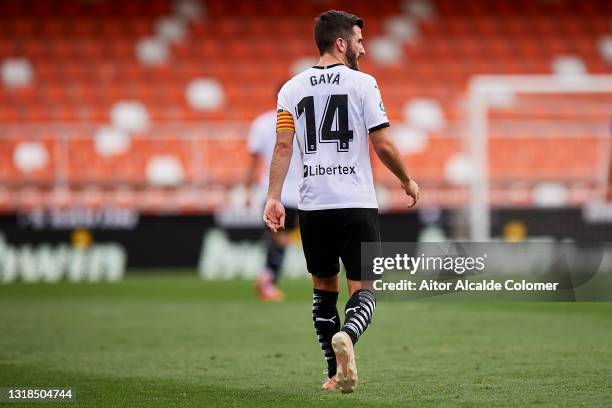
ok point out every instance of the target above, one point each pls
(262, 137)
(609, 189)
(331, 108)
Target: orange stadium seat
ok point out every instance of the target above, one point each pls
(84, 60)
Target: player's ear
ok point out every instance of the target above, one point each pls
(341, 44)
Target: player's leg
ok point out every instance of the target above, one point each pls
(322, 261)
(361, 225)
(358, 312)
(276, 245)
(326, 321)
(358, 315)
(359, 308)
(355, 285)
(275, 252)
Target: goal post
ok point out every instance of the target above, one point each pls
(482, 90)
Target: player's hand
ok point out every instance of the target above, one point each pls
(412, 190)
(274, 215)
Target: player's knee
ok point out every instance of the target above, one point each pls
(329, 284)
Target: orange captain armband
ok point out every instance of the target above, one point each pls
(284, 121)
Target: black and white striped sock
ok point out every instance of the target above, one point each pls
(358, 313)
(327, 323)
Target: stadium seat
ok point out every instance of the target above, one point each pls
(84, 61)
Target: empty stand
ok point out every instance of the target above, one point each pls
(84, 61)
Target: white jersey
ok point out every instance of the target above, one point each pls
(262, 138)
(334, 108)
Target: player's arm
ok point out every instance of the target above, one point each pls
(283, 149)
(378, 126)
(274, 212)
(390, 156)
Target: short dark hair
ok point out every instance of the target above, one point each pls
(331, 25)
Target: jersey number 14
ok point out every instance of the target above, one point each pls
(341, 135)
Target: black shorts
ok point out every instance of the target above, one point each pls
(328, 235)
(291, 218)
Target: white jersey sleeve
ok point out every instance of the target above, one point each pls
(284, 103)
(374, 114)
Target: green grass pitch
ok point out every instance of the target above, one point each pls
(175, 341)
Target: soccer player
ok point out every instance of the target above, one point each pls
(332, 108)
(261, 145)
